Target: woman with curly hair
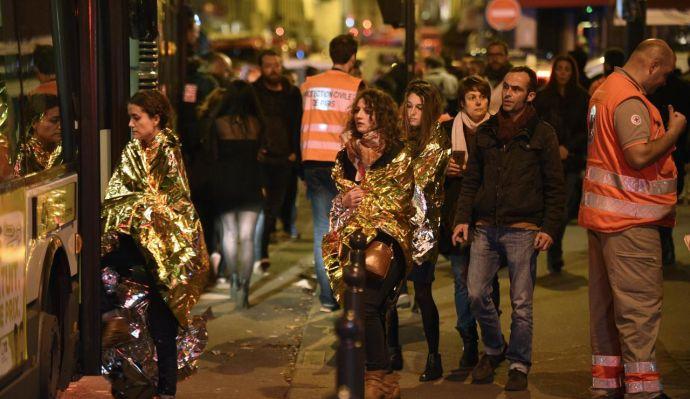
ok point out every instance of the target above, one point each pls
(431, 148)
(373, 174)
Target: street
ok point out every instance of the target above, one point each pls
(283, 347)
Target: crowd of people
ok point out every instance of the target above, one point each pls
(486, 170)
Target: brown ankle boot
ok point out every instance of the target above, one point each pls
(374, 385)
(390, 381)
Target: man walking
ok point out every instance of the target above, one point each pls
(281, 103)
(497, 66)
(629, 192)
(327, 99)
(513, 192)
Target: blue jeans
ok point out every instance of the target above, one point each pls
(466, 324)
(321, 191)
(489, 243)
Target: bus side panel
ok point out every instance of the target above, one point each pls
(13, 349)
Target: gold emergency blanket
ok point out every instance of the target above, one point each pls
(148, 198)
(386, 207)
(429, 176)
(34, 157)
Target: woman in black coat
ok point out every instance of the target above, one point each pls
(563, 103)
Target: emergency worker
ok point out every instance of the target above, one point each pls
(327, 99)
(629, 192)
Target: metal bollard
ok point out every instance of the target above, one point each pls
(350, 326)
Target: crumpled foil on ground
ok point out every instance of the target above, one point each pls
(131, 364)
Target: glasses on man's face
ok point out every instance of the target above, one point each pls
(496, 55)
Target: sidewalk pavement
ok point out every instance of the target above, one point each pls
(561, 351)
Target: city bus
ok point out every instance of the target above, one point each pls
(67, 68)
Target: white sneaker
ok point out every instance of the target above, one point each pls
(222, 283)
(325, 309)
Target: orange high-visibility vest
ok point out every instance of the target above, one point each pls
(327, 101)
(615, 196)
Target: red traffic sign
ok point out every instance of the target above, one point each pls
(503, 15)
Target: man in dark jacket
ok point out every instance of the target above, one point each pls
(513, 192)
(281, 104)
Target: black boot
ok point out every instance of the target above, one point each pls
(396, 358)
(243, 296)
(434, 368)
(470, 354)
(234, 283)
(470, 350)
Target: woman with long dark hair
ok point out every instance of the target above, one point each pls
(231, 142)
(424, 135)
(373, 174)
(563, 103)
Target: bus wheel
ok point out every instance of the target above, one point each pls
(49, 355)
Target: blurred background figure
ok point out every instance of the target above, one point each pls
(44, 67)
(497, 66)
(232, 141)
(281, 105)
(580, 56)
(219, 66)
(674, 92)
(563, 103)
(393, 82)
(613, 57)
(447, 84)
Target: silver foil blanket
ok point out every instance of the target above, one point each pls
(130, 362)
(423, 239)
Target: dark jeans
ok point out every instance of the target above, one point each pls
(378, 298)
(162, 323)
(573, 191)
(288, 211)
(466, 324)
(277, 179)
(489, 243)
(321, 191)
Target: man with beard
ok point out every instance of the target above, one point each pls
(513, 194)
(497, 66)
(281, 104)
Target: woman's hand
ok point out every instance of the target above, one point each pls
(353, 197)
(453, 169)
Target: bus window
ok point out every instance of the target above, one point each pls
(40, 133)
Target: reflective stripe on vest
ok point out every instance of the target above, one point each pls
(631, 209)
(617, 196)
(321, 145)
(324, 127)
(606, 372)
(631, 184)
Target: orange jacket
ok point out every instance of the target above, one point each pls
(327, 101)
(615, 196)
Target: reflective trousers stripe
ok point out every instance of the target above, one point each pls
(631, 209)
(606, 372)
(631, 184)
(640, 367)
(643, 386)
(606, 383)
(608, 361)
